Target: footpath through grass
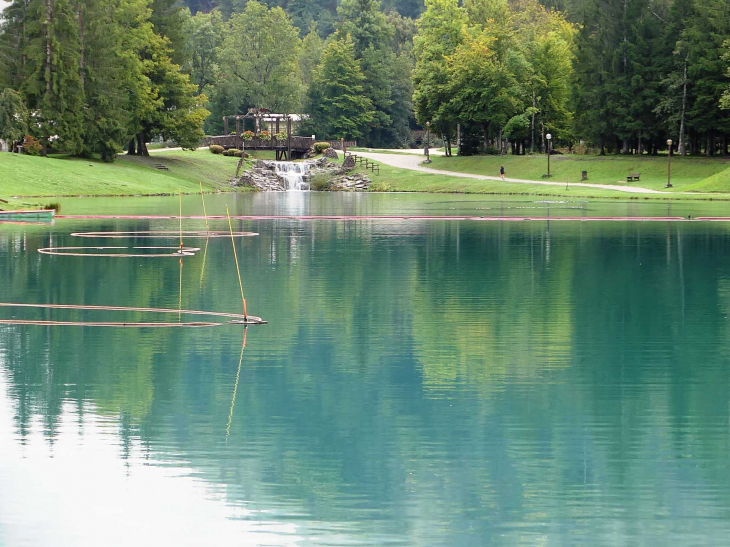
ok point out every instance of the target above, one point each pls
(32, 178)
(393, 179)
(688, 174)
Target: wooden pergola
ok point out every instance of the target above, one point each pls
(261, 115)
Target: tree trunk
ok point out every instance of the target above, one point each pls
(22, 40)
(49, 19)
(682, 146)
(486, 137)
(142, 146)
(625, 147)
(724, 145)
(132, 148)
(458, 139)
(532, 124)
(80, 15)
(603, 147)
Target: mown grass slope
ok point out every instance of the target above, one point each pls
(687, 173)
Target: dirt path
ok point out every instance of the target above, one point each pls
(412, 162)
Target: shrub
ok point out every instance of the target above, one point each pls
(31, 146)
(53, 205)
(247, 135)
(216, 149)
(320, 147)
(491, 151)
(281, 136)
(321, 182)
(240, 154)
(380, 186)
(265, 136)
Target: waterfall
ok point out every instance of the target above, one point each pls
(293, 174)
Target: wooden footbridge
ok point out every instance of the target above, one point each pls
(290, 148)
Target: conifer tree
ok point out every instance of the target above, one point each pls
(340, 107)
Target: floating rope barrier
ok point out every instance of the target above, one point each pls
(62, 251)
(162, 234)
(395, 218)
(234, 318)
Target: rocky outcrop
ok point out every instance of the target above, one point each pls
(358, 182)
(265, 177)
(331, 153)
(349, 164)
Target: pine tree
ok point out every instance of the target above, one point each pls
(52, 83)
(339, 107)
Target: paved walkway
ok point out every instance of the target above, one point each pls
(410, 160)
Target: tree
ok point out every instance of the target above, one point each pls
(259, 59)
(440, 31)
(204, 38)
(52, 83)
(13, 116)
(166, 103)
(339, 107)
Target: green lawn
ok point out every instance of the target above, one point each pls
(688, 174)
(35, 177)
(392, 179)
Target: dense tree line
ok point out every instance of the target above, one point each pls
(489, 75)
(96, 75)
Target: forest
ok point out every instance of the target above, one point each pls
(95, 77)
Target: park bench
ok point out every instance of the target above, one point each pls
(633, 177)
(160, 166)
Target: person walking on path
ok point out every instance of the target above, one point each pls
(501, 171)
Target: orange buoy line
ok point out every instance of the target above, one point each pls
(235, 318)
(396, 218)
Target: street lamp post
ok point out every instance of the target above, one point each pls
(669, 164)
(549, 138)
(428, 142)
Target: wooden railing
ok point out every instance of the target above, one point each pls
(231, 141)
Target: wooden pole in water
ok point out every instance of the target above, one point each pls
(205, 214)
(235, 387)
(179, 195)
(238, 270)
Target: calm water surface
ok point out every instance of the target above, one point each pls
(421, 383)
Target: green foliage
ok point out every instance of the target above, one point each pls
(320, 147)
(216, 149)
(259, 59)
(31, 146)
(281, 136)
(13, 116)
(264, 135)
(339, 106)
(247, 135)
(321, 182)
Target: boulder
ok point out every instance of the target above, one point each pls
(349, 163)
(330, 153)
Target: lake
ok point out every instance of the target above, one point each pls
(420, 382)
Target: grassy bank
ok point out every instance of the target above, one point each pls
(392, 179)
(32, 179)
(688, 174)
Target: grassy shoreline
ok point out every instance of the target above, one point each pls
(29, 182)
(26, 182)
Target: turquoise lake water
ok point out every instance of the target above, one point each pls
(420, 383)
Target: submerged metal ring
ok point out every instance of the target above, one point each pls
(163, 234)
(233, 318)
(58, 251)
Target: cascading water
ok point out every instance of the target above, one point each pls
(294, 174)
